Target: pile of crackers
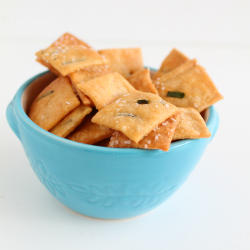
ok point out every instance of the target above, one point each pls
(107, 98)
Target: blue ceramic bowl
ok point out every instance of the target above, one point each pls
(102, 182)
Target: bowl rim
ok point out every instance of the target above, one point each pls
(64, 142)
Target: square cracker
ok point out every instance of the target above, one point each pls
(141, 81)
(53, 103)
(90, 133)
(124, 61)
(86, 75)
(159, 138)
(133, 119)
(105, 89)
(71, 121)
(64, 40)
(191, 80)
(71, 58)
(172, 61)
(191, 125)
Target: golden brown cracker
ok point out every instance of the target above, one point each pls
(105, 89)
(193, 85)
(191, 125)
(124, 61)
(86, 75)
(159, 138)
(172, 61)
(71, 121)
(53, 103)
(141, 81)
(129, 115)
(71, 58)
(64, 40)
(90, 133)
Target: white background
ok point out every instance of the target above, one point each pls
(212, 209)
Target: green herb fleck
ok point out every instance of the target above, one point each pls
(175, 94)
(126, 114)
(46, 94)
(143, 101)
(70, 120)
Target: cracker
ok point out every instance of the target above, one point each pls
(133, 119)
(103, 143)
(159, 138)
(71, 121)
(84, 98)
(68, 39)
(172, 61)
(52, 69)
(105, 89)
(124, 61)
(191, 125)
(191, 84)
(141, 81)
(64, 40)
(90, 133)
(71, 58)
(86, 75)
(53, 103)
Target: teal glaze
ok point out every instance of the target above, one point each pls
(103, 182)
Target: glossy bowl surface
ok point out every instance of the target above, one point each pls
(102, 182)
